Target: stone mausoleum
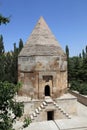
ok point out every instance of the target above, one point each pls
(42, 69)
(42, 64)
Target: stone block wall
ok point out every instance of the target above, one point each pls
(35, 72)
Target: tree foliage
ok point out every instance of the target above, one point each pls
(9, 108)
(67, 54)
(1, 45)
(77, 72)
(4, 20)
(20, 45)
(9, 62)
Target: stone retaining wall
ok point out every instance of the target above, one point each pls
(80, 98)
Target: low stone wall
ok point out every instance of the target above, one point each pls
(81, 98)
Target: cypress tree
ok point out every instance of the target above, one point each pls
(2, 50)
(20, 44)
(67, 53)
(83, 53)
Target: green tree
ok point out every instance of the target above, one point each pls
(75, 68)
(2, 50)
(9, 62)
(20, 44)
(86, 50)
(84, 70)
(2, 67)
(78, 72)
(4, 20)
(80, 56)
(2, 59)
(67, 53)
(8, 67)
(9, 108)
(14, 70)
(83, 53)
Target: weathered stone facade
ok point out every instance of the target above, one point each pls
(42, 65)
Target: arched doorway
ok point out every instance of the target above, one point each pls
(47, 90)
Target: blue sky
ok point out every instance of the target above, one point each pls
(67, 20)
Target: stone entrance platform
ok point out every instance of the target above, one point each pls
(64, 124)
(76, 122)
(62, 108)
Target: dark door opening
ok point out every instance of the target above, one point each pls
(50, 115)
(47, 90)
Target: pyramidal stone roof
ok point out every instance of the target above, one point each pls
(41, 42)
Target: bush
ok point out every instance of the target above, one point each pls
(80, 87)
(83, 89)
(75, 85)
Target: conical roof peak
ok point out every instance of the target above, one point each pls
(41, 22)
(41, 37)
(42, 34)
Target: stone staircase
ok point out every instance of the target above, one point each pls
(38, 110)
(62, 110)
(44, 104)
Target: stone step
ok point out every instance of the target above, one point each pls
(39, 108)
(57, 105)
(59, 108)
(36, 110)
(64, 112)
(69, 117)
(67, 114)
(54, 103)
(34, 114)
(31, 116)
(44, 103)
(42, 106)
